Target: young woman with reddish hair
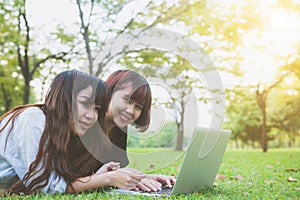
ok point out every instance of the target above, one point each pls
(57, 146)
(130, 104)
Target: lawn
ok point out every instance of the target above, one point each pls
(244, 174)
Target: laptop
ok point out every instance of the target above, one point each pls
(200, 165)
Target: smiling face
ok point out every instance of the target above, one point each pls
(87, 113)
(122, 110)
(130, 101)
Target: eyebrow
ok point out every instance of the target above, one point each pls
(127, 96)
(87, 99)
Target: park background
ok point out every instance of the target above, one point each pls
(255, 45)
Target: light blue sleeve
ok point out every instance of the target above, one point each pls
(22, 147)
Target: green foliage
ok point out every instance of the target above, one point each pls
(293, 67)
(219, 27)
(112, 6)
(174, 71)
(10, 87)
(243, 116)
(22, 55)
(65, 38)
(285, 114)
(165, 137)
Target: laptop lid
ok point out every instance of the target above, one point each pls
(202, 160)
(200, 164)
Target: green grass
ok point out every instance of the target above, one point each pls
(155, 160)
(264, 175)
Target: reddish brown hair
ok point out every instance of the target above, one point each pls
(120, 79)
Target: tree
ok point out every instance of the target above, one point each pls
(261, 97)
(97, 21)
(101, 29)
(285, 111)
(19, 46)
(230, 25)
(243, 116)
(174, 73)
(9, 86)
(293, 67)
(290, 103)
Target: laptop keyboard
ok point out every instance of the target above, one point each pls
(164, 191)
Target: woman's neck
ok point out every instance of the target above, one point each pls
(109, 124)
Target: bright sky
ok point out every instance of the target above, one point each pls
(279, 39)
(276, 45)
(49, 12)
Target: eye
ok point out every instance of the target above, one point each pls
(87, 105)
(98, 108)
(127, 99)
(139, 106)
(84, 104)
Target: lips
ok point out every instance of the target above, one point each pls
(125, 118)
(85, 125)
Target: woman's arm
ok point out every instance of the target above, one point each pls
(88, 183)
(120, 178)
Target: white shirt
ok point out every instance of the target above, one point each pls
(21, 149)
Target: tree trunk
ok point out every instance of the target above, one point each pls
(264, 139)
(179, 145)
(261, 98)
(7, 99)
(26, 92)
(236, 143)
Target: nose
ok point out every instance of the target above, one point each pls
(130, 109)
(90, 113)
